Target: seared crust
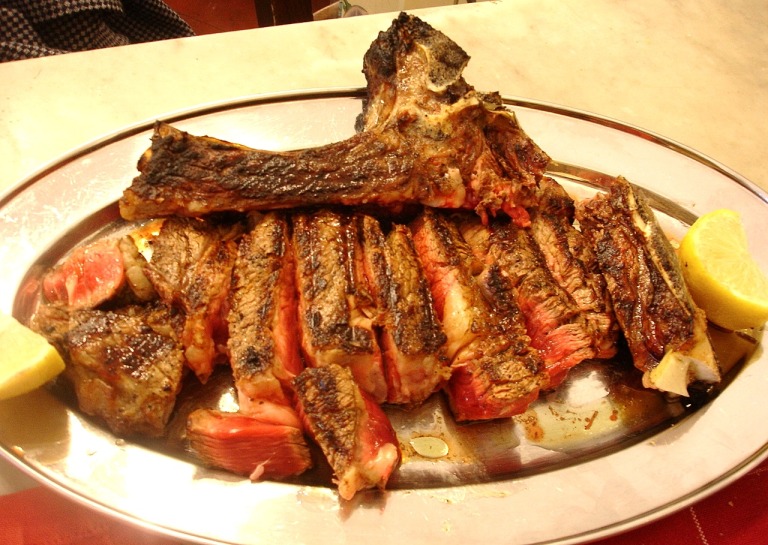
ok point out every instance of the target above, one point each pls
(332, 408)
(643, 275)
(427, 137)
(126, 367)
(263, 341)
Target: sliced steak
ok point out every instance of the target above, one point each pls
(191, 268)
(351, 429)
(263, 336)
(246, 445)
(125, 366)
(573, 265)
(336, 309)
(412, 338)
(495, 373)
(515, 269)
(652, 303)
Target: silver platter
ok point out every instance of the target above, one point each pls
(596, 457)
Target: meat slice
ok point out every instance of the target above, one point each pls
(515, 269)
(495, 372)
(191, 268)
(125, 366)
(665, 331)
(573, 265)
(246, 445)
(427, 138)
(336, 308)
(88, 277)
(351, 429)
(412, 338)
(263, 336)
(496, 378)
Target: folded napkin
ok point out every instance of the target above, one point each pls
(37, 28)
(736, 515)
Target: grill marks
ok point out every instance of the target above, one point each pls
(447, 301)
(126, 366)
(657, 315)
(495, 372)
(336, 309)
(262, 315)
(444, 302)
(191, 268)
(426, 138)
(353, 432)
(411, 336)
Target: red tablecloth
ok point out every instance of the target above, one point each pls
(736, 515)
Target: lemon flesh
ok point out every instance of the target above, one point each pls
(27, 360)
(723, 277)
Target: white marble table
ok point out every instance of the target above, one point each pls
(695, 72)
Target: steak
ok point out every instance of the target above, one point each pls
(125, 366)
(351, 429)
(573, 265)
(495, 372)
(246, 445)
(336, 308)
(659, 319)
(516, 275)
(411, 338)
(427, 138)
(263, 336)
(88, 277)
(191, 268)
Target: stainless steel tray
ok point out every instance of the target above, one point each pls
(597, 456)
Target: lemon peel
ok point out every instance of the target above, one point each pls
(27, 360)
(722, 276)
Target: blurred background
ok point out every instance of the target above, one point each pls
(212, 16)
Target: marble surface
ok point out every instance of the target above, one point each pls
(694, 72)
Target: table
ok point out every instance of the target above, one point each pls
(694, 72)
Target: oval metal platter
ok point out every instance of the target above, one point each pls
(597, 456)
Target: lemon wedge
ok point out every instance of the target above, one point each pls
(722, 276)
(27, 360)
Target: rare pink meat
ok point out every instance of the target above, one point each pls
(246, 445)
(88, 277)
(351, 429)
(495, 372)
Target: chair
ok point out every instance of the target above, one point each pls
(283, 12)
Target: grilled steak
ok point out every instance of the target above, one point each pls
(191, 268)
(427, 137)
(411, 337)
(515, 270)
(495, 373)
(88, 277)
(353, 432)
(263, 337)
(247, 445)
(574, 267)
(125, 366)
(652, 304)
(336, 309)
